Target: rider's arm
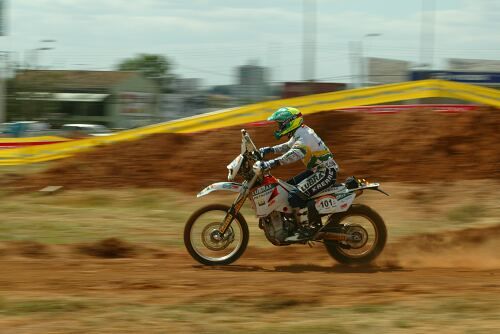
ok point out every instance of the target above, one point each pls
(295, 153)
(282, 148)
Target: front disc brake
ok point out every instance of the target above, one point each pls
(210, 237)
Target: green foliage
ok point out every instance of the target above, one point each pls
(23, 307)
(152, 66)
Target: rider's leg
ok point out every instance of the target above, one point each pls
(307, 188)
(300, 177)
(318, 181)
(296, 198)
(315, 184)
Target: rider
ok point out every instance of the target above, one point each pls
(303, 144)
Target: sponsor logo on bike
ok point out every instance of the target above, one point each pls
(263, 189)
(342, 196)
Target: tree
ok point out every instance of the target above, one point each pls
(153, 66)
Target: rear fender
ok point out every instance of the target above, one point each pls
(227, 186)
(368, 186)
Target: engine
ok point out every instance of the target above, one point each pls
(277, 228)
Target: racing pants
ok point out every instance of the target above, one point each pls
(310, 183)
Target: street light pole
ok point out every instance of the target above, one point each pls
(427, 33)
(43, 48)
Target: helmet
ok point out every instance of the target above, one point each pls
(288, 119)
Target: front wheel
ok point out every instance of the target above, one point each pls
(368, 231)
(203, 242)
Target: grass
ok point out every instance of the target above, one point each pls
(24, 169)
(477, 314)
(31, 306)
(467, 213)
(153, 216)
(87, 216)
(157, 216)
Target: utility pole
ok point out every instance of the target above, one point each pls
(2, 67)
(309, 40)
(353, 47)
(427, 27)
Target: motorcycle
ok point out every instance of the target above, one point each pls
(218, 234)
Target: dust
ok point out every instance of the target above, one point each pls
(475, 248)
(416, 146)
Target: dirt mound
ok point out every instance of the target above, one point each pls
(408, 146)
(108, 248)
(470, 248)
(26, 248)
(474, 248)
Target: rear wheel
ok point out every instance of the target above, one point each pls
(205, 244)
(367, 230)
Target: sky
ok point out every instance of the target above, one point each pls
(207, 39)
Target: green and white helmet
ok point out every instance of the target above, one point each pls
(288, 119)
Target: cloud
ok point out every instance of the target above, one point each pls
(225, 33)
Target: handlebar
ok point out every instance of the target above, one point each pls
(249, 142)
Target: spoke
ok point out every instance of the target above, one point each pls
(207, 241)
(362, 227)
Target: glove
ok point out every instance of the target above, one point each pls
(267, 165)
(265, 150)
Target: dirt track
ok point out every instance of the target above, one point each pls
(178, 279)
(441, 266)
(457, 266)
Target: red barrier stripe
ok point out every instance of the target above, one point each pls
(399, 108)
(393, 108)
(23, 144)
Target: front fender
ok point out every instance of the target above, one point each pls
(228, 186)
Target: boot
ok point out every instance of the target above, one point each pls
(313, 214)
(302, 232)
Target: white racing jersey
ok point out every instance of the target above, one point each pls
(305, 145)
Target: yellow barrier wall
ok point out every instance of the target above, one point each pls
(32, 139)
(260, 111)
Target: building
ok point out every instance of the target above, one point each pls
(477, 65)
(187, 99)
(253, 83)
(481, 72)
(113, 98)
(385, 71)
(486, 79)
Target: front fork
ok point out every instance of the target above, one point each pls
(237, 204)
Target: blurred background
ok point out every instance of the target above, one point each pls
(200, 56)
(92, 217)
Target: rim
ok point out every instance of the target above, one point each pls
(202, 237)
(369, 227)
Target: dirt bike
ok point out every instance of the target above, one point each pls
(218, 234)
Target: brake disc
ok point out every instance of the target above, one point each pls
(208, 237)
(357, 236)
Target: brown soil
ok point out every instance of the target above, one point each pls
(405, 270)
(418, 251)
(469, 248)
(409, 146)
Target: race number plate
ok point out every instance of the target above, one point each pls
(326, 204)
